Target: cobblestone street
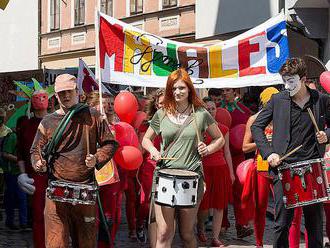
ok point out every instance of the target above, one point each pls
(23, 239)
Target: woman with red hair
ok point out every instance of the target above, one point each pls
(179, 104)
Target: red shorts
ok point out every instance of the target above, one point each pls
(218, 187)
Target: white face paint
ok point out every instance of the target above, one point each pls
(292, 84)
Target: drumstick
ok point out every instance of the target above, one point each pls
(195, 124)
(87, 139)
(313, 119)
(289, 153)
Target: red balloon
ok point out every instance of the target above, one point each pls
(325, 80)
(128, 157)
(223, 116)
(125, 106)
(126, 135)
(243, 168)
(138, 119)
(236, 135)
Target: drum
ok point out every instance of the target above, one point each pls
(74, 193)
(304, 183)
(176, 188)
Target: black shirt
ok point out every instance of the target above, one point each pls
(302, 132)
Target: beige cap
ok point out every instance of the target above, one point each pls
(65, 82)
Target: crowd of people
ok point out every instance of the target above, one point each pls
(182, 133)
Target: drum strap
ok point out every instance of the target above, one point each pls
(49, 150)
(178, 134)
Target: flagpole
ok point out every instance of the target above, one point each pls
(97, 55)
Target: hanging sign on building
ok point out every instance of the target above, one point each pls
(127, 55)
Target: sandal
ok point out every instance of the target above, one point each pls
(201, 236)
(217, 243)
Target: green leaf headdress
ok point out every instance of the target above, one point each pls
(28, 92)
(36, 87)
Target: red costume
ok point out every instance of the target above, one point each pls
(26, 130)
(255, 202)
(238, 156)
(217, 177)
(240, 116)
(294, 232)
(111, 199)
(145, 176)
(131, 193)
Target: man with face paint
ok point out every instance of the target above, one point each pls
(74, 162)
(29, 181)
(292, 127)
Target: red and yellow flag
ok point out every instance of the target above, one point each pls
(3, 4)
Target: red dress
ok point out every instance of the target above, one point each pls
(26, 130)
(217, 178)
(145, 176)
(238, 156)
(111, 199)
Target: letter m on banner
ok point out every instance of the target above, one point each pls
(111, 41)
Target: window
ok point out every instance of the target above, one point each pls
(169, 3)
(54, 14)
(79, 12)
(136, 6)
(107, 7)
(78, 38)
(54, 42)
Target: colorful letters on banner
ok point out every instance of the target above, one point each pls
(133, 57)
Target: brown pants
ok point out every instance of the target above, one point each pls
(64, 220)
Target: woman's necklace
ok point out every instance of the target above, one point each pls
(181, 114)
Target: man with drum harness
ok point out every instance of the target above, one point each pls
(299, 116)
(66, 146)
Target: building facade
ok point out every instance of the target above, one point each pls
(312, 17)
(67, 26)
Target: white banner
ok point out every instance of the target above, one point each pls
(130, 56)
